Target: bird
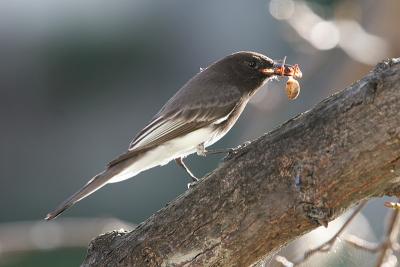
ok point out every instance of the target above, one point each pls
(197, 116)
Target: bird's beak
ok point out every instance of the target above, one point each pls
(283, 70)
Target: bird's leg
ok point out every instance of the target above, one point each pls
(182, 164)
(201, 151)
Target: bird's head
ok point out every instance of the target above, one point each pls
(249, 70)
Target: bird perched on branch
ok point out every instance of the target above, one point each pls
(197, 116)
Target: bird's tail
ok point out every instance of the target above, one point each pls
(94, 184)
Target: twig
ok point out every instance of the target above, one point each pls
(392, 233)
(285, 262)
(389, 243)
(363, 244)
(326, 246)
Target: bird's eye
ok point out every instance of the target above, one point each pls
(252, 64)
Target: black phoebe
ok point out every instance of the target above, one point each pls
(197, 116)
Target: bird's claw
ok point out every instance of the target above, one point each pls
(192, 184)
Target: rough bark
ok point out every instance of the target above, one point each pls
(287, 182)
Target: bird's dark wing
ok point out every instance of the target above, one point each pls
(179, 117)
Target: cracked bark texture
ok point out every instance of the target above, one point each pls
(284, 184)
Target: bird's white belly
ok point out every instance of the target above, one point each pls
(162, 154)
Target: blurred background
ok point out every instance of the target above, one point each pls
(78, 79)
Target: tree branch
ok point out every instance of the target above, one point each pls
(306, 172)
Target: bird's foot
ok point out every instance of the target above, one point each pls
(192, 184)
(236, 150)
(220, 151)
